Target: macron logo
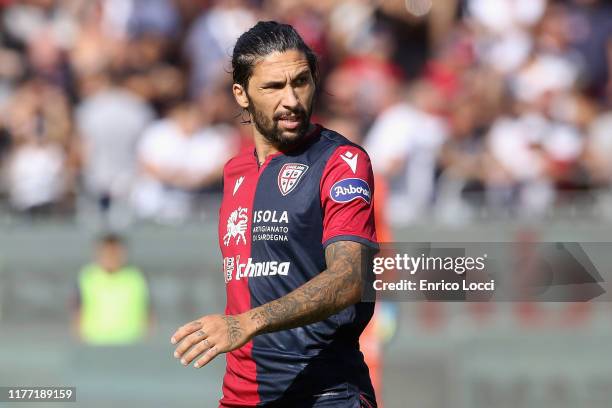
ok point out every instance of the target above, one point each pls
(351, 160)
(238, 184)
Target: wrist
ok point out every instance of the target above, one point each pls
(250, 323)
(257, 320)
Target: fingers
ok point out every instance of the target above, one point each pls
(204, 338)
(189, 341)
(207, 357)
(185, 331)
(201, 347)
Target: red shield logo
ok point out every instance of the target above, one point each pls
(289, 176)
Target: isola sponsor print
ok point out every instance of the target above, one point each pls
(277, 231)
(349, 189)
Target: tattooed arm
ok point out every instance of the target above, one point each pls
(334, 289)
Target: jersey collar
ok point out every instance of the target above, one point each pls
(303, 145)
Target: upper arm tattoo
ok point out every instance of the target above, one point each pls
(345, 258)
(332, 290)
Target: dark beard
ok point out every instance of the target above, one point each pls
(269, 128)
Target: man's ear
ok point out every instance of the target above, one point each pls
(240, 95)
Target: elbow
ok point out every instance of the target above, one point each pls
(357, 293)
(353, 287)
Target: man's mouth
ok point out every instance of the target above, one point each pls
(290, 122)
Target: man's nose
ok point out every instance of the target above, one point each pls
(290, 99)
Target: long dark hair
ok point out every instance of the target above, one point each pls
(262, 39)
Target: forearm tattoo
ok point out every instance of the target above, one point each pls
(334, 289)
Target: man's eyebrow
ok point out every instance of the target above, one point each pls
(273, 83)
(302, 74)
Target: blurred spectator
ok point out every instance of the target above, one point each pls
(38, 123)
(35, 176)
(599, 150)
(178, 158)
(361, 87)
(529, 148)
(501, 28)
(112, 303)
(507, 108)
(461, 180)
(98, 40)
(589, 30)
(307, 17)
(158, 17)
(417, 28)
(351, 28)
(110, 120)
(403, 143)
(48, 62)
(504, 15)
(211, 39)
(24, 20)
(552, 68)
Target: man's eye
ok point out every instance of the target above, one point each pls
(274, 86)
(300, 81)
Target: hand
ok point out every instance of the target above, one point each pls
(210, 336)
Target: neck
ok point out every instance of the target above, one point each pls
(264, 148)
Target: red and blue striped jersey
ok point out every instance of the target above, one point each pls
(275, 222)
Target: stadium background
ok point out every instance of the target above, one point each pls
(489, 120)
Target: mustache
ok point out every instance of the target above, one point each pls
(300, 113)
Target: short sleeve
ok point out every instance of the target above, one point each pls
(347, 190)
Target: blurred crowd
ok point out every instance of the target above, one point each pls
(122, 109)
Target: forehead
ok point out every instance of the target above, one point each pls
(279, 65)
(110, 245)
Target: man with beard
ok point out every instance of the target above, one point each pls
(296, 225)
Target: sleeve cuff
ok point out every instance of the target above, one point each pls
(354, 238)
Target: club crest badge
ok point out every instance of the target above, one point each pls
(289, 176)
